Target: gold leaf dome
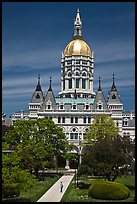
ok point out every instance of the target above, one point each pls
(77, 47)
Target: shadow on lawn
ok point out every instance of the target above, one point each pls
(16, 200)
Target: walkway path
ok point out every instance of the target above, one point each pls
(54, 194)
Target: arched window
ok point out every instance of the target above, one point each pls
(74, 134)
(69, 74)
(83, 83)
(77, 73)
(77, 83)
(70, 83)
(37, 96)
(84, 74)
(59, 120)
(100, 107)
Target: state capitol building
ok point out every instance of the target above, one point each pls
(76, 104)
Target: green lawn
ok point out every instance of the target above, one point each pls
(81, 195)
(34, 193)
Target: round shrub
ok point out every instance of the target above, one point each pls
(108, 190)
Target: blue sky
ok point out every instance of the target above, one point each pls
(34, 34)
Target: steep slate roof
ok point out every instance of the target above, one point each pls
(100, 98)
(114, 97)
(49, 98)
(38, 94)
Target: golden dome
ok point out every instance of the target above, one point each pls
(77, 47)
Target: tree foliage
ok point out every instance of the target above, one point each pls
(12, 175)
(37, 142)
(102, 127)
(106, 151)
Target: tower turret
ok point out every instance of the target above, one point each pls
(77, 27)
(99, 102)
(77, 65)
(36, 101)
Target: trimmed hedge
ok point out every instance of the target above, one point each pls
(108, 190)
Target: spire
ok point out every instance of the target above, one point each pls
(39, 79)
(113, 88)
(99, 88)
(38, 88)
(50, 89)
(77, 27)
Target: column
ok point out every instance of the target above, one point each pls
(67, 164)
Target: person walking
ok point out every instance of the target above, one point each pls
(61, 186)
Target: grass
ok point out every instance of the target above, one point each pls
(34, 193)
(81, 195)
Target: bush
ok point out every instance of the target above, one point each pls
(83, 185)
(108, 190)
(10, 190)
(83, 170)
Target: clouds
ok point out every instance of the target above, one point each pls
(34, 35)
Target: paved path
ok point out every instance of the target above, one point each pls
(54, 194)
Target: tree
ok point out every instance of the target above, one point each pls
(102, 127)
(37, 142)
(106, 151)
(14, 179)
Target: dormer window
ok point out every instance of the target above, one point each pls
(100, 107)
(61, 106)
(113, 96)
(74, 107)
(37, 96)
(87, 106)
(49, 106)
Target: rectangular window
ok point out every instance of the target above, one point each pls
(83, 83)
(84, 62)
(76, 120)
(73, 136)
(63, 120)
(89, 120)
(59, 120)
(70, 83)
(77, 83)
(77, 61)
(61, 106)
(63, 84)
(87, 107)
(74, 107)
(84, 120)
(71, 119)
(125, 122)
(48, 106)
(76, 136)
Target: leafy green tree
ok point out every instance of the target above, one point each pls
(14, 179)
(37, 142)
(106, 150)
(102, 127)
